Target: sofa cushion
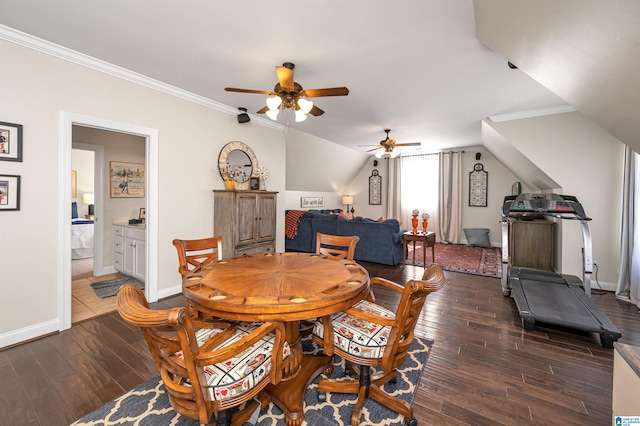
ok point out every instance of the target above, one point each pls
(477, 237)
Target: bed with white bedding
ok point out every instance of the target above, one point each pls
(81, 235)
(81, 238)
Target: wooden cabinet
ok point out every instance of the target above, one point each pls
(130, 250)
(531, 244)
(246, 221)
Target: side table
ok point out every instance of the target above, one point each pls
(428, 240)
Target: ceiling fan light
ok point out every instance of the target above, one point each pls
(273, 102)
(379, 153)
(394, 153)
(273, 114)
(305, 105)
(300, 116)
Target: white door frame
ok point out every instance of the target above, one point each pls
(67, 120)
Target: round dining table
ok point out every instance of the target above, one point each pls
(287, 287)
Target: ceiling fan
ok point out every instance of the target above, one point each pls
(287, 94)
(388, 146)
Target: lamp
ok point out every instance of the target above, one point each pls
(87, 198)
(288, 100)
(347, 200)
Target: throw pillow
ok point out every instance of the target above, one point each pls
(477, 237)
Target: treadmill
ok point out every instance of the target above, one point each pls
(548, 297)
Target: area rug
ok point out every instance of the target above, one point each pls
(462, 258)
(148, 404)
(110, 288)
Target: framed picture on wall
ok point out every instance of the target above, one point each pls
(311, 202)
(9, 192)
(10, 141)
(127, 180)
(375, 188)
(478, 180)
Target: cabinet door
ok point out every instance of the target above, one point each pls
(140, 270)
(129, 256)
(246, 216)
(266, 217)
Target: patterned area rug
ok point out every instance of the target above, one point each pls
(148, 404)
(110, 288)
(462, 258)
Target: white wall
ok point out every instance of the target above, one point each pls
(499, 184)
(35, 88)
(315, 164)
(586, 161)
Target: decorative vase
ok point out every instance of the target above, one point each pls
(262, 185)
(414, 223)
(229, 184)
(425, 222)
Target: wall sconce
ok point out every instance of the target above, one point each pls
(88, 198)
(347, 200)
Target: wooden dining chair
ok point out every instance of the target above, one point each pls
(336, 246)
(208, 367)
(370, 335)
(195, 253)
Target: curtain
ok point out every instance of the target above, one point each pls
(393, 188)
(628, 287)
(418, 189)
(450, 197)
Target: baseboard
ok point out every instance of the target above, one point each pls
(29, 333)
(168, 292)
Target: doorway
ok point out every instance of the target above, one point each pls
(150, 136)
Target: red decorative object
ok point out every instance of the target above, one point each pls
(414, 223)
(425, 222)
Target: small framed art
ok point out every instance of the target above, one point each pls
(10, 142)
(143, 214)
(9, 192)
(254, 183)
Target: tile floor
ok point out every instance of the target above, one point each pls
(85, 304)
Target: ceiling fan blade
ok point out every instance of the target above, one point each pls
(315, 111)
(374, 149)
(259, 92)
(285, 78)
(262, 110)
(330, 91)
(409, 144)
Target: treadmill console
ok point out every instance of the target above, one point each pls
(527, 205)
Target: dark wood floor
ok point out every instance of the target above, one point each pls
(483, 368)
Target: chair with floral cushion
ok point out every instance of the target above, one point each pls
(370, 335)
(208, 367)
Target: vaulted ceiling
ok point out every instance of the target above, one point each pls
(414, 66)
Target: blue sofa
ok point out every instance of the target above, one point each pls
(380, 241)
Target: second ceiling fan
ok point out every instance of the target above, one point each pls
(388, 146)
(287, 94)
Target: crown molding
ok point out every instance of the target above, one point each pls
(533, 113)
(35, 43)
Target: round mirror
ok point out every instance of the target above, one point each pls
(239, 165)
(238, 162)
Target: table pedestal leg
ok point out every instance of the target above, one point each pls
(288, 395)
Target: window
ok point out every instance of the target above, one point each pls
(419, 187)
